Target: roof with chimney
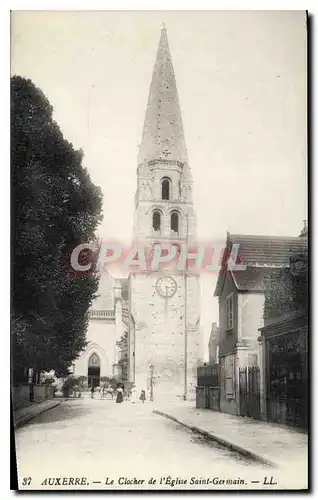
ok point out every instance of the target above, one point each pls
(163, 137)
(261, 255)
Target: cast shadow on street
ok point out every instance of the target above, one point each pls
(62, 413)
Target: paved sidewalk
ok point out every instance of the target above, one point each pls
(271, 444)
(24, 415)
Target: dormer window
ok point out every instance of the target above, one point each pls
(165, 189)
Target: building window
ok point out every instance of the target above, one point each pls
(93, 360)
(229, 312)
(165, 189)
(177, 249)
(174, 222)
(156, 220)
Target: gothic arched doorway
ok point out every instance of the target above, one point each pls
(93, 372)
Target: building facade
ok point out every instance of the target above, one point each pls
(284, 370)
(105, 329)
(158, 310)
(241, 306)
(165, 341)
(284, 345)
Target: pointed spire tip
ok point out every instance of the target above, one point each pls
(162, 136)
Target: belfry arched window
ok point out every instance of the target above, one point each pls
(174, 222)
(177, 250)
(165, 188)
(156, 220)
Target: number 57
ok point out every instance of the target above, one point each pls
(26, 481)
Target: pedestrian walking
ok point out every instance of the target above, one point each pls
(120, 394)
(143, 396)
(92, 392)
(133, 395)
(103, 391)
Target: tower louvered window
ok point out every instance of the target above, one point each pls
(156, 220)
(174, 222)
(165, 189)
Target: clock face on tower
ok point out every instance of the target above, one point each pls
(166, 286)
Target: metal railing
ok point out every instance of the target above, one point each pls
(102, 314)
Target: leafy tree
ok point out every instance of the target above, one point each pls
(82, 381)
(286, 290)
(70, 385)
(55, 207)
(49, 381)
(111, 381)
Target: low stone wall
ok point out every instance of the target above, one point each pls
(21, 394)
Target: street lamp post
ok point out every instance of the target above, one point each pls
(151, 382)
(31, 387)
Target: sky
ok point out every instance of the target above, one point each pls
(241, 78)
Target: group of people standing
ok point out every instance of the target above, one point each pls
(103, 390)
(132, 396)
(120, 392)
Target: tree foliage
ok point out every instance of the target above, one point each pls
(55, 207)
(109, 381)
(286, 290)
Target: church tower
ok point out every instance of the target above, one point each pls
(164, 304)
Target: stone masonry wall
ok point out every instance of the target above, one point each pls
(148, 198)
(160, 333)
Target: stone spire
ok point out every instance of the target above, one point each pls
(163, 137)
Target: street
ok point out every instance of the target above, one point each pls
(98, 439)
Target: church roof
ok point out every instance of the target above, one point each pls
(163, 136)
(252, 279)
(262, 255)
(267, 250)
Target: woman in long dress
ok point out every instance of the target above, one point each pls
(143, 396)
(133, 394)
(120, 394)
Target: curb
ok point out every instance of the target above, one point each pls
(223, 442)
(27, 418)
